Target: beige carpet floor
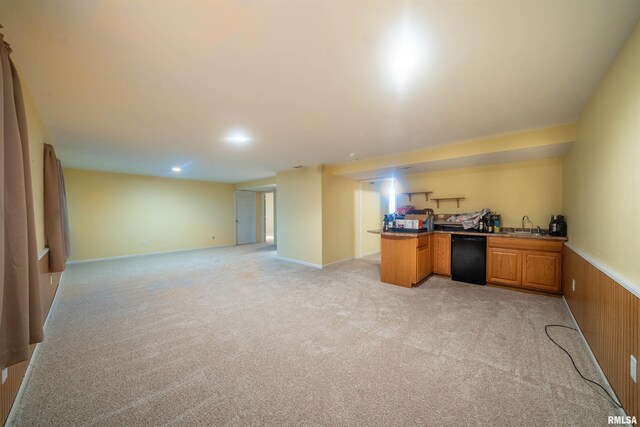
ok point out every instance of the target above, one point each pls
(234, 336)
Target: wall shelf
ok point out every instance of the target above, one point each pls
(442, 199)
(426, 194)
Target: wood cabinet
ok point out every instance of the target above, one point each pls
(424, 261)
(405, 260)
(534, 264)
(542, 270)
(504, 266)
(442, 254)
(526, 263)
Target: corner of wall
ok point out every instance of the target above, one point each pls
(338, 217)
(299, 218)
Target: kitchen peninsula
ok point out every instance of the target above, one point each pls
(515, 260)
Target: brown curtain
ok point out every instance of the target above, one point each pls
(56, 225)
(21, 311)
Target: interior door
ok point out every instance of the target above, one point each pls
(245, 217)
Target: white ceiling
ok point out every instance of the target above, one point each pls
(139, 87)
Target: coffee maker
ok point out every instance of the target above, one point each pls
(558, 226)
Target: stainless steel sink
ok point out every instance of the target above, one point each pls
(532, 232)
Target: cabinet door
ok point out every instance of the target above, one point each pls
(442, 254)
(503, 266)
(424, 262)
(398, 260)
(541, 270)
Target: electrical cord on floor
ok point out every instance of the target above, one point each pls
(546, 330)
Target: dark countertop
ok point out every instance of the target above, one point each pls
(410, 234)
(401, 233)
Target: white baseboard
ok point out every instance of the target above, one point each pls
(309, 264)
(369, 254)
(337, 262)
(82, 261)
(603, 378)
(297, 261)
(623, 281)
(42, 253)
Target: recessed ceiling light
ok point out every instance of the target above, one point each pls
(404, 64)
(405, 54)
(176, 169)
(238, 138)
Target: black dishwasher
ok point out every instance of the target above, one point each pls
(469, 259)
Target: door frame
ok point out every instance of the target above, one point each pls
(263, 203)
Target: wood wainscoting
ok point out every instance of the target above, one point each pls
(15, 373)
(608, 315)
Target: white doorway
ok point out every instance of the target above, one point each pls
(245, 217)
(269, 218)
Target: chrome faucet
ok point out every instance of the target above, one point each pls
(526, 219)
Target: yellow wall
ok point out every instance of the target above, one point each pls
(338, 218)
(112, 214)
(370, 217)
(37, 137)
(531, 188)
(495, 144)
(299, 218)
(602, 172)
(317, 216)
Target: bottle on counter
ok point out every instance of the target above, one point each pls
(385, 223)
(496, 223)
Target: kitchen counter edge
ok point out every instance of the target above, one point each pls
(469, 233)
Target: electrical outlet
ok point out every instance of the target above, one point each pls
(634, 369)
(573, 284)
(145, 243)
(5, 374)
